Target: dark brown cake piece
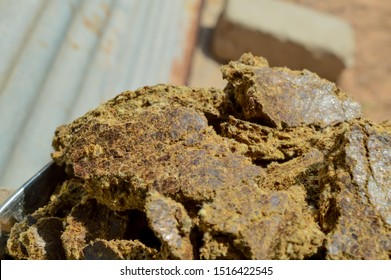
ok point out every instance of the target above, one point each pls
(89, 221)
(102, 249)
(42, 241)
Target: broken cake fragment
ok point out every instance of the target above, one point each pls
(284, 98)
(262, 223)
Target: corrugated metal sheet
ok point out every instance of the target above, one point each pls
(60, 58)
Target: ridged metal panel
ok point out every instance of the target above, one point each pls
(60, 58)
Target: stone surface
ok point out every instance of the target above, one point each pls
(169, 172)
(286, 34)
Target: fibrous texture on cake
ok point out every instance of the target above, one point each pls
(278, 165)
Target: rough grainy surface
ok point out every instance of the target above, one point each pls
(278, 165)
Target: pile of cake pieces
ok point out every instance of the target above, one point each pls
(279, 164)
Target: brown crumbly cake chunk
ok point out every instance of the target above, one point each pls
(137, 143)
(25, 235)
(278, 165)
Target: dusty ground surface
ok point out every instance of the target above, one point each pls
(368, 81)
(4, 193)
